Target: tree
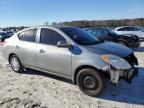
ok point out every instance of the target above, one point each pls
(106, 23)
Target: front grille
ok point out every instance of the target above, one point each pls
(131, 59)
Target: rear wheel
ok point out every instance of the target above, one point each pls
(16, 64)
(90, 82)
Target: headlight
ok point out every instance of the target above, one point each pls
(105, 58)
(115, 61)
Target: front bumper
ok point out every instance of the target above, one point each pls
(127, 75)
(116, 75)
(123, 69)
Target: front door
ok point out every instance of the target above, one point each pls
(51, 58)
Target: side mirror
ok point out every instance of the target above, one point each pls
(62, 43)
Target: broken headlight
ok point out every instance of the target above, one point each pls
(116, 62)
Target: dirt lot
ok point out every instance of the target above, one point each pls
(36, 89)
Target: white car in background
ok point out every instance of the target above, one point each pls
(135, 30)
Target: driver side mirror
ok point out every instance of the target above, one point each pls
(62, 43)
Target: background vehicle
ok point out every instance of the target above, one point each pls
(109, 35)
(72, 53)
(4, 35)
(138, 31)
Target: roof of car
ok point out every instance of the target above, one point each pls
(48, 26)
(63, 26)
(55, 26)
(124, 27)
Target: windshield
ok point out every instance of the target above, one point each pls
(80, 36)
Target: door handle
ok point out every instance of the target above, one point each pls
(42, 51)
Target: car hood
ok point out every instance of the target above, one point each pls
(110, 48)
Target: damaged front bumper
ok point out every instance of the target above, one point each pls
(117, 74)
(120, 68)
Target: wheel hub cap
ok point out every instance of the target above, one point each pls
(90, 82)
(15, 64)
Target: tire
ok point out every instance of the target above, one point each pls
(16, 64)
(90, 82)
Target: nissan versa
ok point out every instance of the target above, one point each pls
(72, 53)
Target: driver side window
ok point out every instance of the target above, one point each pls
(50, 37)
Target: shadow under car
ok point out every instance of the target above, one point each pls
(123, 92)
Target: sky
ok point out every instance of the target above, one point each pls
(37, 12)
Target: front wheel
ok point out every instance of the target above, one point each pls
(90, 82)
(16, 64)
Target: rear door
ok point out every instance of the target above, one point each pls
(130, 30)
(51, 58)
(25, 48)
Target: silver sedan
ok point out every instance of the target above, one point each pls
(72, 53)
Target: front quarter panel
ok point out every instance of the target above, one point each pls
(81, 57)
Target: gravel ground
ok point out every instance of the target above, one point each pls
(34, 89)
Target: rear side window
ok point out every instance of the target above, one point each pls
(50, 37)
(130, 28)
(122, 29)
(29, 35)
